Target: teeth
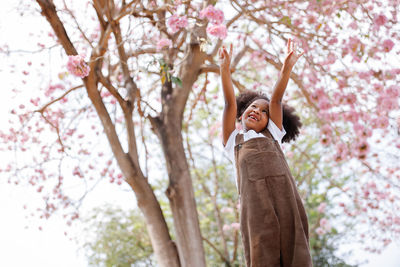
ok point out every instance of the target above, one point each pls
(254, 118)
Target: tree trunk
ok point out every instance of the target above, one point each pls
(168, 127)
(164, 248)
(181, 197)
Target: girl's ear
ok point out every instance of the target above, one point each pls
(240, 118)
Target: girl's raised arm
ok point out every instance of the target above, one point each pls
(230, 109)
(275, 105)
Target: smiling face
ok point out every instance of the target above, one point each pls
(256, 116)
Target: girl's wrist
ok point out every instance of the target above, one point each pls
(286, 67)
(224, 68)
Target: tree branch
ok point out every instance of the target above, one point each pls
(41, 110)
(111, 88)
(49, 11)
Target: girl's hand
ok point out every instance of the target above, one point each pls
(225, 57)
(291, 55)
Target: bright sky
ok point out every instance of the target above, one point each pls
(27, 246)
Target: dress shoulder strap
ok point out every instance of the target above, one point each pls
(267, 134)
(239, 139)
(238, 144)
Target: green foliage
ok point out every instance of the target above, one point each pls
(120, 239)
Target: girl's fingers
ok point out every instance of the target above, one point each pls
(223, 52)
(288, 46)
(230, 51)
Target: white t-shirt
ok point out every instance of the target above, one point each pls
(276, 133)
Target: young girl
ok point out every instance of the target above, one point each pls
(273, 221)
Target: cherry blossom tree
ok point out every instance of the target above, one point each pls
(130, 67)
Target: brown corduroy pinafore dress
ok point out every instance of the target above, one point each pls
(273, 221)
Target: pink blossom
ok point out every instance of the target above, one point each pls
(378, 87)
(352, 116)
(226, 210)
(331, 58)
(311, 19)
(325, 224)
(361, 149)
(387, 102)
(216, 16)
(380, 20)
(320, 231)
(361, 130)
(380, 122)
(388, 45)
(365, 75)
(324, 103)
(354, 42)
(326, 130)
(332, 41)
(217, 31)
(35, 101)
(321, 207)
(371, 185)
(226, 227)
(176, 22)
(235, 226)
(215, 128)
(163, 43)
(326, 140)
(351, 98)
(77, 66)
(353, 25)
(77, 172)
(297, 22)
(341, 152)
(318, 93)
(52, 88)
(338, 98)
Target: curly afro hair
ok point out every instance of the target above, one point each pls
(291, 122)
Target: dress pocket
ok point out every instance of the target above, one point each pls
(263, 164)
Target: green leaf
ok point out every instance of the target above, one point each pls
(176, 80)
(286, 20)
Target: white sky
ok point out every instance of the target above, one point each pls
(22, 246)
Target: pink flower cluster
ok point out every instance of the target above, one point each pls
(387, 45)
(233, 226)
(321, 207)
(226, 210)
(361, 149)
(216, 16)
(175, 23)
(380, 20)
(325, 227)
(77, 66)
(163, 43)
(217, 31)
